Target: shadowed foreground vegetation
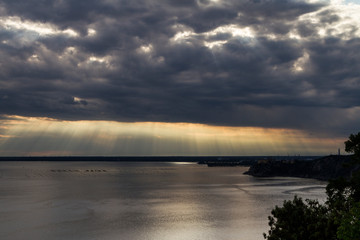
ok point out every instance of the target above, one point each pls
(337, 219)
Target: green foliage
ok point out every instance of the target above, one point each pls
(338, 218)
(349, 228)
(353, 146)
(339, 194)
(355, 186)
(297, 220)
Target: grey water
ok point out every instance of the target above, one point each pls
(140, 201)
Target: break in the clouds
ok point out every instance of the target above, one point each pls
(261, 63)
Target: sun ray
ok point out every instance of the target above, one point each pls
(41, 136)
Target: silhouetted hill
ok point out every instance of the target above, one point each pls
(324, 168)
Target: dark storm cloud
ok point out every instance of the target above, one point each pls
(180, 61)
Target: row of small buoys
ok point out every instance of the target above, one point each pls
(77, 170)
(95, 170)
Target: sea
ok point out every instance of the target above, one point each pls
(140, 200)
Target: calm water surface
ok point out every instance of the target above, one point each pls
(139, 201)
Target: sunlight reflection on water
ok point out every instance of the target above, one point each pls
(109, 200)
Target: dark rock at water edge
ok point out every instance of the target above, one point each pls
(324, 168)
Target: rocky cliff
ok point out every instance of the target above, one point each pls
(325, 168)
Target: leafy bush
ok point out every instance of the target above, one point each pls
(338, 218)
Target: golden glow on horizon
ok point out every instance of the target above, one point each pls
(45, 136)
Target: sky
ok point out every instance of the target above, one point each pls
(190, 77)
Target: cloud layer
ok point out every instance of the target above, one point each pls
(279, 64)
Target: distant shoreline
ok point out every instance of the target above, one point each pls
(324, 168)
(153, 158)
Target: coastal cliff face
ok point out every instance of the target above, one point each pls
(325, 168)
